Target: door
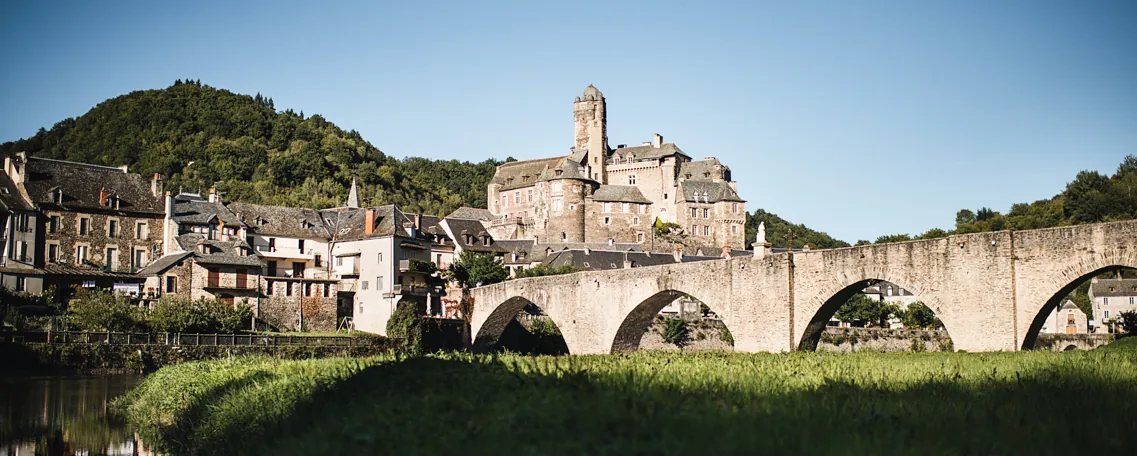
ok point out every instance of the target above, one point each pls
(214, 278)
(242, 279)
(272, 269)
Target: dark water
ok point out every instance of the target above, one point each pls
(65, 415)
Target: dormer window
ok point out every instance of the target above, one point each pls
(485, 240)
(57, 196)
(558, 172)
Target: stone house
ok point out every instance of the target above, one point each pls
(93, 225)
(21, 266)
(1066, 319)
(597, 193)
(1109, 298)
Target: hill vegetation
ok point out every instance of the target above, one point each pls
(200, 137)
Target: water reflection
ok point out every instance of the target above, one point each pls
(65, 415)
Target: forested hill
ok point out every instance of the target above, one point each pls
(199, 136)
(778, 230)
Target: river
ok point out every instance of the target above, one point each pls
(65, 415)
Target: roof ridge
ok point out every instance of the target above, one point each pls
(82, 165)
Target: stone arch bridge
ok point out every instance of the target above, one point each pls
(992, 290)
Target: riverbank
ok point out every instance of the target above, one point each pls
(103, 358)
(656, 403)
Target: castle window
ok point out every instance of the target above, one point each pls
(635, 220)
(631, 179)
(530, 195)
(694, 212)
(639, 237)
(517, 197)
(643, 208)
(624, 208)
(706, 213)
(557, 204)
(564, 236)
(734, 229)
(734, 208)
(504, 201)
(556, 186)
(572, 207)
(607, 220)
(706, 230)
(607, 207)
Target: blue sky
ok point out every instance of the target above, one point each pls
(857, 118)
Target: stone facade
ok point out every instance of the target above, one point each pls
(993, 291)
(1110, 298)
(584, 197)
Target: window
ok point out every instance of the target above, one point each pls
(706, 213)
(364, 285)
(564, 236)
(288, 288)
(297, 269)
(84, 226)
(517, 197)
(271, 265)
(379, 283)
(318, 260)
(22, 224)
(694, 212)
(172, 285)
(339, 261)
(1105, 301)
(139, 258)
(308, 289)
(557, 204)
(607, 220)
(734, 208)
(300, 245)
(706, 230)
(734, 229)
(643, 208)
(1130, 300)
(22, 249)
(529, 195)
(53, 224)
(665, 197)
(694, 230)
(380, 257)
(141, 230)
(53, 252)
(112, 228)
(635, 220)
(639, 237)
(625, 208)
(270, 286)
(327, 290)
(631, 179)
(556, 187)
(80, 253)
(112, 258)
(20, 283)
(504, 200)
(1105, 315)
(607, 207)
(271, 244)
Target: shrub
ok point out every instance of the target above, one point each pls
(919, 316)
(406, 323)
(105, 311)
(180, 315)
(1129, 322)
(675, 331)
(726, 336)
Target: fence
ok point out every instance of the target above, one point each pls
(120, 338)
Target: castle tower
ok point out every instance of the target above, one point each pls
(591, 121)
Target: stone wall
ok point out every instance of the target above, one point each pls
(703, 335)
(884, 340)
(1063, 342)
(97, 240)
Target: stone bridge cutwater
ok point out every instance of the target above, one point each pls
(992, 291)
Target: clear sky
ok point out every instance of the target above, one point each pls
(859, 118)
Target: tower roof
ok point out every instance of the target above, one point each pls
(592, 93)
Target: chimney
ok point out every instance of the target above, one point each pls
(169, 205)
(726, 251)
(418, 221)
(103, 196)
(657, 141)
(369, 222)
(156, 185)
(212, 195)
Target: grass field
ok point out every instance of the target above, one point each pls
(649, 403)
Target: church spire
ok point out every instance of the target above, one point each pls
(353, 195)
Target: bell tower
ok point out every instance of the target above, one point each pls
(591, 122)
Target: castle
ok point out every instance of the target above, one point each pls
(598, 194)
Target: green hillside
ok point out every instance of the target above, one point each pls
(199, 136)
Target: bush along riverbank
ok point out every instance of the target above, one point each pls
(31, 358)
(646, 403)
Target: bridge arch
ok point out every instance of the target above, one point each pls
(637, 321)
(1067, 280)
(836, 295)
(489, 335)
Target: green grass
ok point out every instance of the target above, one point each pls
(648, 403)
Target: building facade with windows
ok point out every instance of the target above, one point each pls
(1066, 319)
(1109, 298)
(597, 193)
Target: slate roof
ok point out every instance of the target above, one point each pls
(283, 221)
(162, 264)
(471, 213)
(192, 209)
(708, 192)
(600, 260)
(10, 196)
(538, 252)
(706, 169)
(522, 173)
(85, 271)
(620, 194)
(569, 169)
(1114, 287)
(649, 152)
(82, 183)
(347, 224)
(462, 227)
(226, 251)
(523, 248)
